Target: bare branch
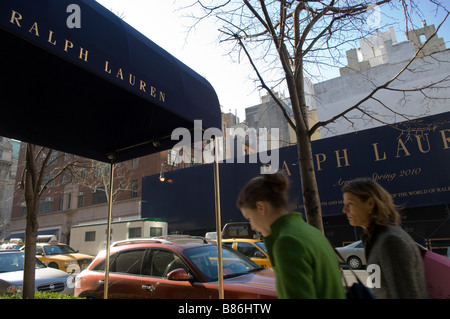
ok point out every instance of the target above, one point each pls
(380, 87)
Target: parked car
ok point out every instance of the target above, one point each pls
(46, 279)
(353, 255)
(254, 249)
(239, 230)
(14, 243)
(174, 268)
(61, 256)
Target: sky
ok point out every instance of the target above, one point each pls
(161, 22)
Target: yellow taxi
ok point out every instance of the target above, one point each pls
(255, 249)
(61, 256)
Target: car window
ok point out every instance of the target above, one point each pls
(360, 245)
(58, 249)
(101, 265)
(14, 262)
(159, 263)
(261, 245)
(128, 262)
(247, 249)
(234, 263)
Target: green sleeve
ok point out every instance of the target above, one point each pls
(294, 271)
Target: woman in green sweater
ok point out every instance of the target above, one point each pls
(304, 262)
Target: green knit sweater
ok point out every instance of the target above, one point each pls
(304, 262)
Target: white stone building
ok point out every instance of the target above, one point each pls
(378, 60)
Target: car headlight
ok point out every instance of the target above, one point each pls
(70, 281)
(78, 279)
(67, 263)
(14, 289)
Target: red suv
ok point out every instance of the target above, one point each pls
(174, 267)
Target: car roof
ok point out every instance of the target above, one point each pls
(6, 251)
(248, 240)
(174, 242)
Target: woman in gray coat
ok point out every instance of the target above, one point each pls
(387, 245)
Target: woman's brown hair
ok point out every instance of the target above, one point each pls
(385, 212)
(268, 187)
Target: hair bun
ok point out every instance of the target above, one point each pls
(278, 181)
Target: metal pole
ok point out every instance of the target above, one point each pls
(108, 231)
(218, 219)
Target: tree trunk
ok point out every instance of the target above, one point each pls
(32, 200)
(30, 255)
(311, 198)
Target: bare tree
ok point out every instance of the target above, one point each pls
(281, 38)
(95, 176)
(38, 173)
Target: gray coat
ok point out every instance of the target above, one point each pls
(401, 265)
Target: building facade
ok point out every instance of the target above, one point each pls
(78, 195)
(378, 60)
(8, 168)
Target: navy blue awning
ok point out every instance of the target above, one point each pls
(40, 233)
(97, 90)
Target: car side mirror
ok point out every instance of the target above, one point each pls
(179, 274)
(259, 254)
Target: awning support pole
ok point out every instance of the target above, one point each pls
(108, 229)
(218, 219)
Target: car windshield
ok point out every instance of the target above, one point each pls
(14, 262)
(234, 263)
(261, 245)
(58, 249)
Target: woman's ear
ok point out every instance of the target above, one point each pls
(261, 207)
(371, 203)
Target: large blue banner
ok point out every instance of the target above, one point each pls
(411, 161)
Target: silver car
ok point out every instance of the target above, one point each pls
(46, 279)
(354, 255)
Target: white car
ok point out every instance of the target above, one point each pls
(353, 254)
(46, 279)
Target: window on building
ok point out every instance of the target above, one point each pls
(98, 196)
(45, 206)
(134, 232)
(47, 178)
(69, 200)
(61, 202)
(53, 158)
(155, 231)
(134, 188)
(83, 173)
(81, 199)
(135, 163)
(174, 157)
(89, 236)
